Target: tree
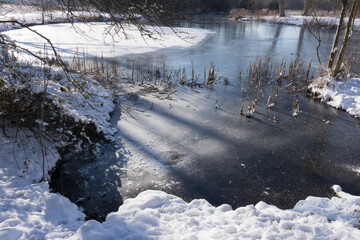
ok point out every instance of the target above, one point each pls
(347, 35)
(155, 12)
(140, 13)
(24, 106)
(306, 7)
(281, 8)
(337, 35)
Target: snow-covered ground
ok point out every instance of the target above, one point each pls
(29, 211)
(302, 20)
(298, 20)
(28, 14)
(27, 208)
(157, 215)
(341, 94)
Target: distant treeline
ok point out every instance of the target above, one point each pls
(194, 6)
(206, 6)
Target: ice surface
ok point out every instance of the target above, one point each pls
(94, 40)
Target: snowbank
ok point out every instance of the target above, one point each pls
(302, 20)
(157, 215)
(342, 94)
(21, 158)
(299, 20)
(95, 39)
(32, 212)
(79, 97)
(27, 210)
(28, 14)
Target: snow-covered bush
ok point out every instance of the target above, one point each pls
(61, 107)
(341, 92)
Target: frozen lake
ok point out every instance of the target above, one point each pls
(187, 147)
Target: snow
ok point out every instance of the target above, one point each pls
(21, 156)
(157, 215)
(76, 104)
(94, 39)
(300, 20)
(341, 94)
(94, 105)
(27, 209)
(32, 212)
(27, 14)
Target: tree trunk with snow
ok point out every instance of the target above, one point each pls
(347, 36)
(337, 35)
(281, 8)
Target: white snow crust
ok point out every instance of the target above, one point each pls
(341, 94)
(27, 14)
(93, 105)
(157, 215)
(302, 20)
(27, 209)
(298, 20)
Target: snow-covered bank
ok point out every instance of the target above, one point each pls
(95, 40)
(303, 20)
(28, 14)
(297, 20)
(27, 209)
(79, 97)
(157, 215)
(32, 212)
(342, 94)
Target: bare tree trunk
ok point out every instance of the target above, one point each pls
(337, 36)
(43, 12)
(281, 8)
(347, 36)
(306, 7)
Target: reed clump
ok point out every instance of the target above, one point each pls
(109, 71)
(268, 78)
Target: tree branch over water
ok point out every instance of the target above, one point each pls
(140, 13)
